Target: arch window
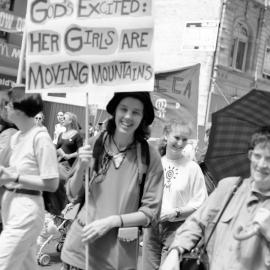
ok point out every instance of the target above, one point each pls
(240, 46)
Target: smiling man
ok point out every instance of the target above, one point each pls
(241, 239)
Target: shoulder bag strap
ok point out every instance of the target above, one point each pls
(143, 158)
(236, 186)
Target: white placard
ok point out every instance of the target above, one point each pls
(89, 45)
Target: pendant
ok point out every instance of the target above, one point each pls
(118, 159)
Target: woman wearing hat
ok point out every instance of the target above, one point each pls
(115, 205)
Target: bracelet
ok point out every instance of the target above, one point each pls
(121, 221)
(17, 179)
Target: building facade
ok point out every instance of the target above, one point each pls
(229, 38)
(243, 52)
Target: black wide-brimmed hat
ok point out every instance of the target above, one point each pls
(144, 97)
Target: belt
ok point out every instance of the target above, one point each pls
(24, 191)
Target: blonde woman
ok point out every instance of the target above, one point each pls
(184, 191)
(69, 141)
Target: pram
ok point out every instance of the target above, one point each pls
(55, 229)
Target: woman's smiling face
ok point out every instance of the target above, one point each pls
(177, 139)
(128, 115)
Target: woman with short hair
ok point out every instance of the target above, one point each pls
(32, 168)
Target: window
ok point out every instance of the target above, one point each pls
(239, 47)
(266, 60)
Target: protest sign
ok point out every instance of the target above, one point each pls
(6, 81)
(176, 96)
(10, 23)
(89, 45)
(9, 54)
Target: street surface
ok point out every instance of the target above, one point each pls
(55, 263)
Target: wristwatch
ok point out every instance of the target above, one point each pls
(178, 212)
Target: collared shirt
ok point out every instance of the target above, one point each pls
(224, 251)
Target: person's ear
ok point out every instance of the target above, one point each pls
(250, 154)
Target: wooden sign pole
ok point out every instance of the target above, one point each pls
(86, 181)
(22, 58)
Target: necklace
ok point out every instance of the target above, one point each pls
(118, 149)
(108, 157)
(119, 156)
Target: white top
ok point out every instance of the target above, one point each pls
(58, 129)
(33, 153)
(5, 137)
(189, 151)
(184, 185)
